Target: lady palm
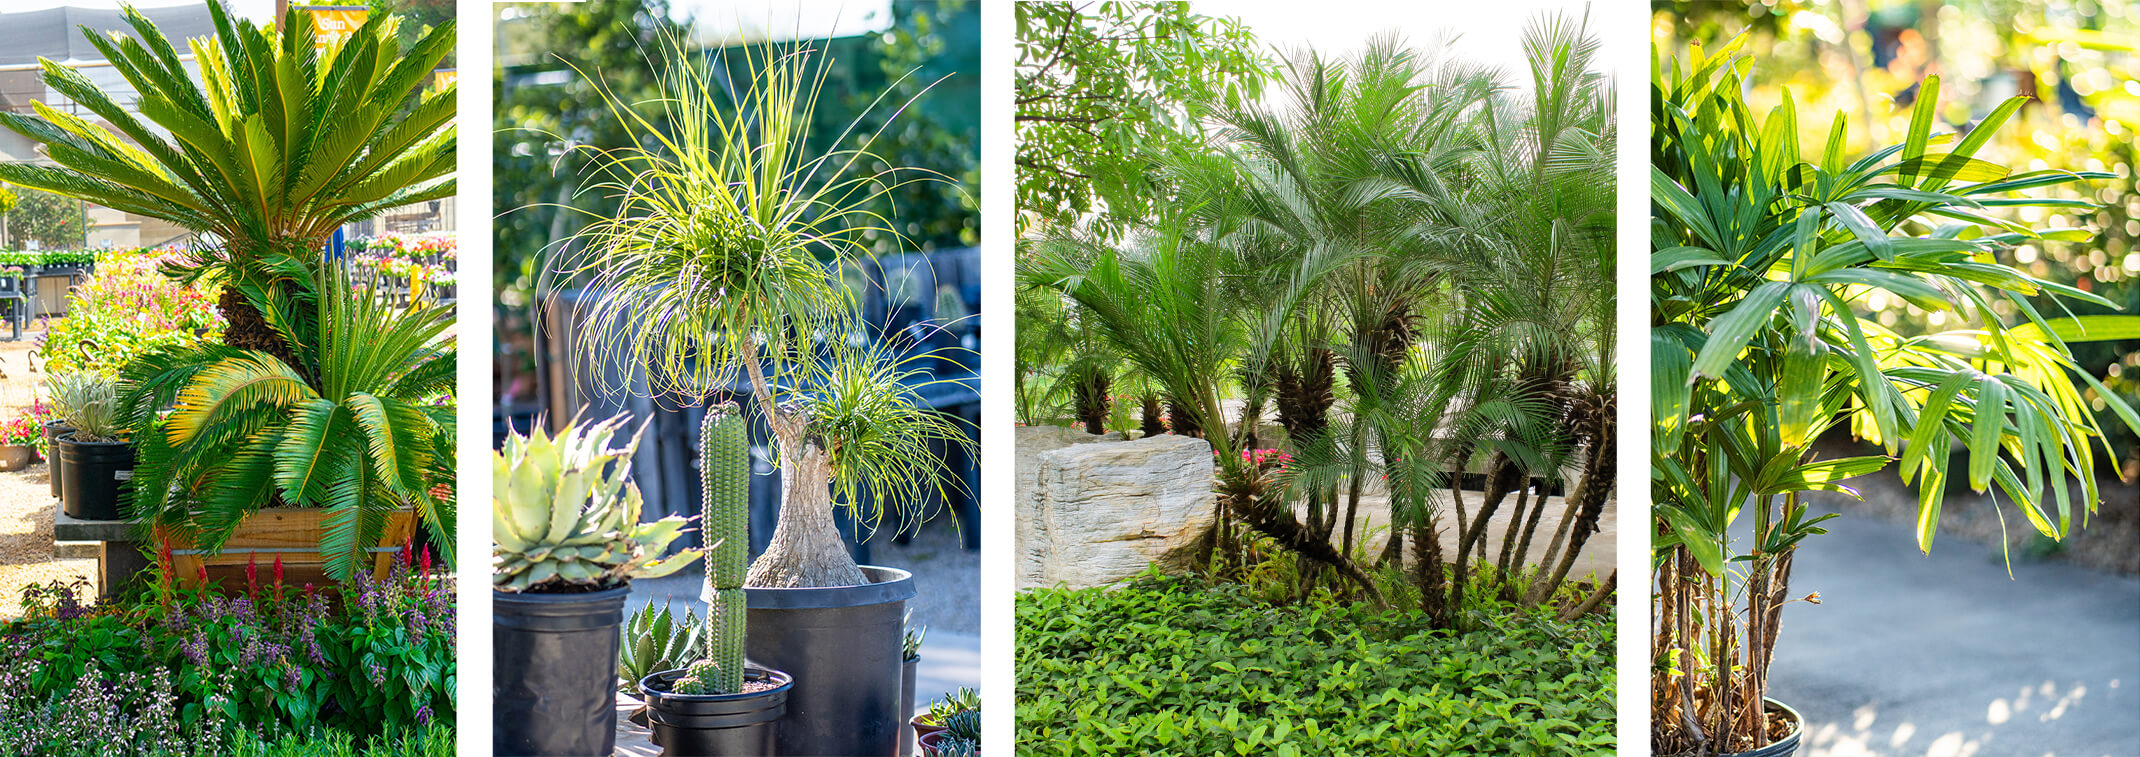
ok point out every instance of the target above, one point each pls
(720, 259)
(276, 147)
(1762, 264)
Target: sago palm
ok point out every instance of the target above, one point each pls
(1765, 271)
(351, 426)
(275, 147)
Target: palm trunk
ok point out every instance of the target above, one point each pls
(1595, 600)
(806, 549)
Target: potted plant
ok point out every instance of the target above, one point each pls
(54, 428)
(943, 708)
(568, 542)
(721, 260)
(960, 736)
(1761, 271)
(720, 705)
(211, 151)
(655, 640)
(909, 667)
(18, 442)
(98, 462)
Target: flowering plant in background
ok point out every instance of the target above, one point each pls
(127, 308)
(26, 430)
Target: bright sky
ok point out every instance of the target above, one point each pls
(729, 21)
(1488, 31)
(254, 9)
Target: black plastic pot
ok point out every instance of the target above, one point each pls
(907, 671)
(53, 431)
(716, 725)
(554, 672)
(842, 645)
(93, 474)
(1788, 745)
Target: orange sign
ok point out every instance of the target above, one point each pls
(334, 23)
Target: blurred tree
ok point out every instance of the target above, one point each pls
(1102, 89)
(54, 222)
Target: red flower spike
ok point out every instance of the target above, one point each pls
(278, 576)
(252, 576)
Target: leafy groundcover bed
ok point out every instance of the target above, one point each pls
(1172, 667)
(274, 671)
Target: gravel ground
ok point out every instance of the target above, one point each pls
(26, 504)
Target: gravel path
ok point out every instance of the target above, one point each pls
(26, 504)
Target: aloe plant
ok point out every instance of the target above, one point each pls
(1763, 265)
(655, 639)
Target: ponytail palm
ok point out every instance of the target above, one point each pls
(1764, 273)
(723, 259)
(275, 147)
(360, 437)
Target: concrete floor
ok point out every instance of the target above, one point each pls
(1944, 655)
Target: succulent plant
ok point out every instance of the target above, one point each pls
(700, 679)
(89, 403)
(724, 469)
(952, 746)
(563, 515)
(655, 640)
(964, 725)
(955, 701)
(910, 644)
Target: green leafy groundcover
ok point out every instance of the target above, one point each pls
(1171, 667)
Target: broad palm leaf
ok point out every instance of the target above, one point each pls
(247, 430)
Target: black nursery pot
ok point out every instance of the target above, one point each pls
(53, 431)
(908, 669)
(93, 473)
(716, 725)
(842, 645)
(554, 672)
(1786, 746)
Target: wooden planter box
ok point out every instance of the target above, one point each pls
(292, 534)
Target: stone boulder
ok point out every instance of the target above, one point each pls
(1095, 511)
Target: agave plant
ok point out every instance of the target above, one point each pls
(719, 261)
(348, 423)
(276, 146)
(89, 402)
(564, 517)
(1762, 265)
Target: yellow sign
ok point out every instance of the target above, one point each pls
(334, 23)
(444, 77)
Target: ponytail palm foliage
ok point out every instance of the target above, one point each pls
(349, 427)
(721, 262)
(276, 146)
(1764, 267)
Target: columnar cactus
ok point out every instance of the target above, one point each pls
(724, 466)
